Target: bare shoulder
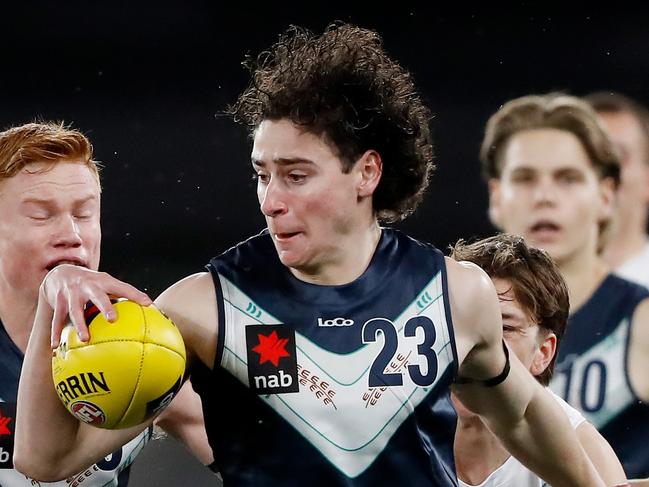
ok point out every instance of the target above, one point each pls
(191, 305)
(640, 327)
(638, 345)
(467, 279)
(640, 323)
(474, 305)
(470, 291)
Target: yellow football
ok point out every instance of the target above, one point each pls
(128, 371)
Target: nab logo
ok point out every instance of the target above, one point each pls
(4, 456)
(272, 364)
(335, 322)
(4, 424)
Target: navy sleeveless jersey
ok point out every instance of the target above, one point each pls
(332, 385)
(113, 471)
(592, 375)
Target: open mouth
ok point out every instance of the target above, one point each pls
(545, 232)
(545, 226)
(285, 236)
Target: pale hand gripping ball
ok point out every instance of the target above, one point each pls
(128, 371)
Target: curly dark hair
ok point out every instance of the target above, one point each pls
(343, 85)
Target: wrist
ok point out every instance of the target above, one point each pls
(42, 290)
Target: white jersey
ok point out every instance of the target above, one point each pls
(512, 473)
(636, 269)
(105, 473)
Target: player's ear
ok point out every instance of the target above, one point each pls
(494, 202)
(370, 168)
(646, 184)
(544, 353)
(607, 197)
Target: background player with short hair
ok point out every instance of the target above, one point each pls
(552, 172)
(534, 306)
(626, 247)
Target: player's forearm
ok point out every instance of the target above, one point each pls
(45, 431)
(183, 419)
(639, 482)
(532, 426)
(601, 454)
(503, 406)
(546, 443)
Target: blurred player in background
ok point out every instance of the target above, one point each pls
(552, 172)
(626, 248)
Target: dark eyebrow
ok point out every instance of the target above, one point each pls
(283, 161)
(523, 168)
(569, 170)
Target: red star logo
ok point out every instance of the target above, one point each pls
(271, 348)
(4, 422)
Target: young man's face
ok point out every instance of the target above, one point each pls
(533, 345)
(550, 193)
(520, 330)
(308, 202)
(47, 218)
(626, 133)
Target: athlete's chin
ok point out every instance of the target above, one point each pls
(292, 258)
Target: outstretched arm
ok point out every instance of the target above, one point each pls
(191, 304)
(525, 417)
(639, 483)
(50, 443)
(601, 454)
(638, 356)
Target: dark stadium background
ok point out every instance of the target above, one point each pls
(147, 82)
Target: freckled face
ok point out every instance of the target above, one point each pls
(46, 218)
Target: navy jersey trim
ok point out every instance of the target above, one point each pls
(123, 478)
(447, 311)
(11, 362)
(220, 326)
(252, 271)
(627, 345)
(617, 284)
(12, 345)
